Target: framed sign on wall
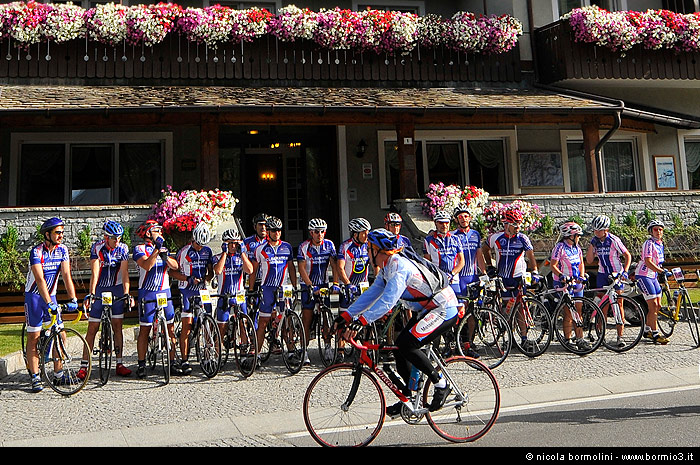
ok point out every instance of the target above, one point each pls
(665, 172)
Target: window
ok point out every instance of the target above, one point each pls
(487, 169)
(692, 163)
(578, 170)
(681, 6)
(619, 166)
(566, 6)
(41, 180)
(445, 163)
(271, 6)
(405, 6)
(91, 173)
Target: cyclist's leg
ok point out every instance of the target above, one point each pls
(307, 310)
(186, 317)
(265, 308)
(35, 311)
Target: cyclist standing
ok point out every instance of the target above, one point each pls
(393, 223)
(154, 262)
(611, 252)
(109, 263)
(444, 249)
(46, 261)
(251, 243)
(353, 260)
(650, 263)
(274, 258)
(195, 261)
(434, 307)
(230, 269)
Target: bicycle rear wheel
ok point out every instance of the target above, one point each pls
(621, 338)
(326, 339)
(105, 357)
(268, 342)
(344, 406)
(245, 345)
(531, 327)
(61, 357)
(471, 408)
(293, 342)
(208, 345)
(691, 313)
(490, 334)
(664, 317)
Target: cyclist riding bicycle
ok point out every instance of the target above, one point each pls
(231, 267)
(432, 301)
(650, 264)
(109, 265)
(353, 260)
(196, 262)
(314, 257)
(154, 262)
(46, 261)
(444, 249)
(274, 258)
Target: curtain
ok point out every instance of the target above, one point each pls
(489, 153)
(618, 160)
(577, 167)
(141, 172)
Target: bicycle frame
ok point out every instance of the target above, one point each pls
(611, 297)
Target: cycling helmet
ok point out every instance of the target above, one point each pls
(231, 235)
(461, 208)
(569, 229)
(442, 217)
(317, 224)
(512, 217)
(600, 222)
(112, 228)
(201, 234)
(653, 223)
(259, 218)
(392, 217)
(383, 240)
(274, 223)
(359, 225)
(146, 227)
(50, 224)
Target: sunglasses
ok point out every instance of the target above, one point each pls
(318, 231)
(116, 238)
(274, 230)
(58, 233)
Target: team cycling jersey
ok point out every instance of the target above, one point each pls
(569, 258)
(231, 278)
(510, 253)
(251, 243)
(401, 279)
(652, 249)
(609, 252)
(356, 261)
(111, 261)
(51, 265)
(471, 242)
(443, 251)
(316, 260)
(274, 262)
(155, 279)
(194, 263)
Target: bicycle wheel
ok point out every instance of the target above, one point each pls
(208, 345)
(592, 326)
(227, 342)
(621, 338)
(245, 346)
(344, 406)
(531, 327)
(691, 313)
(61, 356)
(105, 358)
(490, 337)
(471, 408)
(326, 339)
(293, 342)
(163, 348)
(268, 342)
(664, 317)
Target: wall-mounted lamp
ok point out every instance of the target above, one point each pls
(361, 148)
(267, 176)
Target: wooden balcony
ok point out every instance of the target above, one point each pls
(264, 62)
(560, 58)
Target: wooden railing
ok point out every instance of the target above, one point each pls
(267, 61)
(559, 57)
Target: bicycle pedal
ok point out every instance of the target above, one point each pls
(95, 351)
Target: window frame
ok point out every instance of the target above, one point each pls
(17, 139)
(683, 135)
(619, 5)
(208, 3)
(419, 5)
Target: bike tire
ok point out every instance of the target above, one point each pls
(344, 406)
(325, 338)
(163, 347)
(632, 329)
(492, 337)
(208, 345)
(105, 351)
(293, 341)
(471, 409)
(665, 320)
(691, 314)
(593, 327)
(538, 329)
(23, 342)
(69, 353)
(245, 345)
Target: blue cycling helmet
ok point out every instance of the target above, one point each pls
(50, 224)
(112, 228)
(383, 239)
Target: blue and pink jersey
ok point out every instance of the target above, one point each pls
(609, 252)
(651, 249)
(273, 263)
(194, 263)
(568, 258)
(443, 251)
(510, 253)
(111, 262)
(155, 279)
(51, 265)
(356, 261)
(316, 260)
(471, 243)
(231, 278)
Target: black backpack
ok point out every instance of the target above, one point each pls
(433, 275)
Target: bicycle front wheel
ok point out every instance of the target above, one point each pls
(61, 357)
(665, 320)
(326, 339)
(691, 313)
(208, 346)
(344, 406)
(472, 406)
(531, 327)
(245, 345)
(488, 334)
(293, 342)
(591, 326)
(105, 357)
(622, 337)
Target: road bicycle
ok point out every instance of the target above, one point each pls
(674, 309)
(624, 317)
(284, 333)
(345, 405)
(321, 327)
(105, 344)
(159, 343)
(204, 334)
(239, 335)
(60, 351)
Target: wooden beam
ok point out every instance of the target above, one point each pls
(408, 177)
(209, 156)
(590, 140)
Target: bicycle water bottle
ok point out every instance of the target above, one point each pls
(413, 381)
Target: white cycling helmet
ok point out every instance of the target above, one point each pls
(274, 223)
(442, 217)
(600, 223)
(359, 225)
(201, 234)
(654, 223)
(231, 235)
(569, 229)
(317, 224)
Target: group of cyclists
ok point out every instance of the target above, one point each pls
(427, 284)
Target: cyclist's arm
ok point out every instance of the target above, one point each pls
(67, 278)
(480, 262)
(292, 272)
(651, 264)
(95, 271)
(221, 263)
(334, 269)
(628, 260)
(341, 271)
(530, 254)
(554, 265)
(486, 254)
(383, 299)
(43, 289)
(303, 274)
(177, 274)
(147, 262)
(124, 270)
(590, 255)
(253, 274)
(459, 264)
